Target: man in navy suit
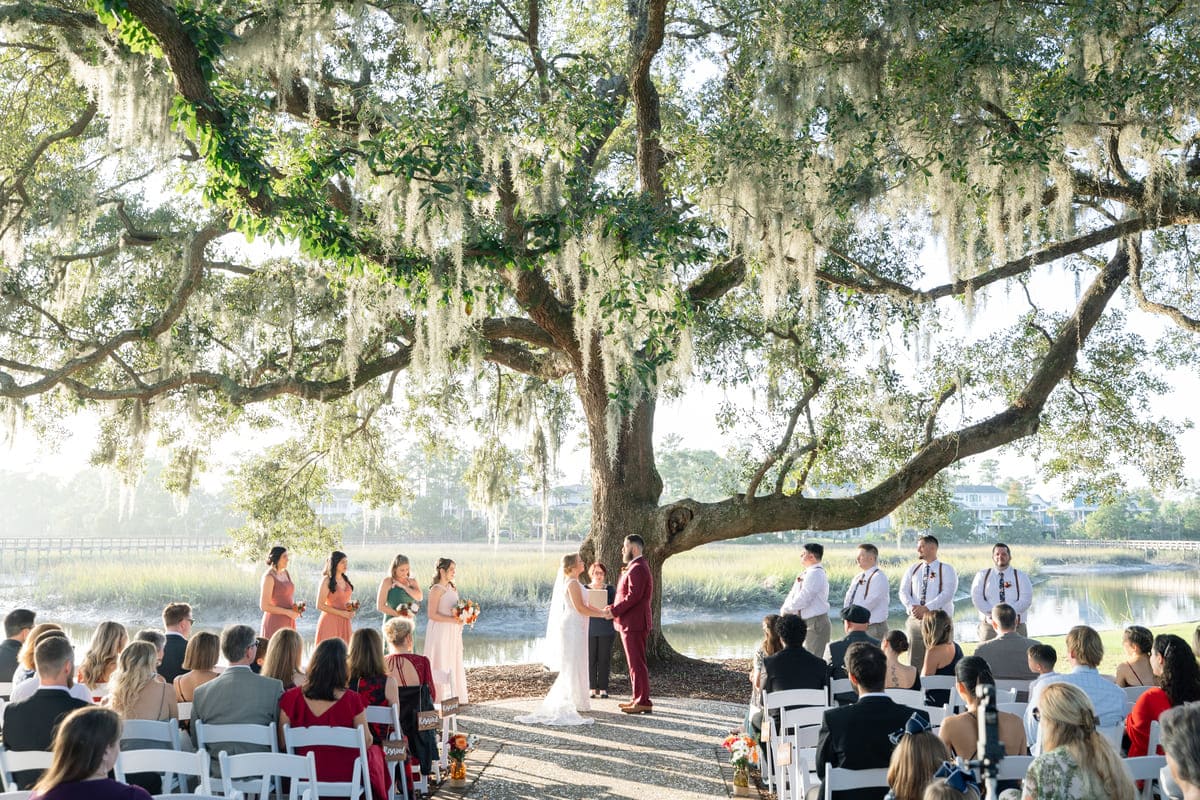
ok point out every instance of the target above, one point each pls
(856, 736)
(30, 724)
(177, 622)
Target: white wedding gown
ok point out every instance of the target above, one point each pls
(566, 650)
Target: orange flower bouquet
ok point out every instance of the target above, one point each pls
(467, 611)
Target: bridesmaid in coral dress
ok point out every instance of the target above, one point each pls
(333, 596)
(443, 635)
(277, 596)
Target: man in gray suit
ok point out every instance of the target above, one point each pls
(237, 696)
(1008, 653)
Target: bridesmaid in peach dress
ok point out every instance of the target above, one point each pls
(277, 596)
(443, 635)
(332, 598)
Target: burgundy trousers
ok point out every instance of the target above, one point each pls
(635, 653)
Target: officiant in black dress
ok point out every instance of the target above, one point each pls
(600, 635)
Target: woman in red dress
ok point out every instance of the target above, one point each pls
(333, 597)
(325, 700)
(1174, 662)
(277, 596)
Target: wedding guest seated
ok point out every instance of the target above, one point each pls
(899, 676)
(1085, 651)
(855, 620)
(1077, 762)
(85, 750)
(200, 661)
(138, 693)
(961, 731)
(1008, 654)
(793, 667)
(177, 624)
(25, 666)
(325, 700)
(918, 755)
(17, 625)
(1135, 669)
(284, 653)
(769, 646)
(26, 688)
(257, 665)
(237, 696)
(29, 724)
(941, 652)
(1174, 664)
(156, 638)
(857, 736)
(415, 689)
(368, 675)
(100, 663)
(1042, 658)
(1181, 743)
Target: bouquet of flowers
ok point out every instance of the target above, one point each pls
(300, 607)
(743, 750)
(406, 609)
(457, 747)
(353, 606)
(467, 611)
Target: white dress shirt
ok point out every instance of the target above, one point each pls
(870, 590)
(26, 689)
(985, 591)
(936, 582)
(809, 596)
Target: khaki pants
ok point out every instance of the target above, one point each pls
(916, 644)
(817, 637)
(987, 632)
(877, 630)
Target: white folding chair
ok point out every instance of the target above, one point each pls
(1013, 708)
(802, 772)
(148, 730)
(838, 779)
(170, 764)
(211, 737)
(798, 727)
(15, 795)
(1013, 768)
(839, 686)
(1132, 693)
(1145, 768)
(948, 682)
(191, 796)
(1155, 739)
(907, 697)
(390, 716)
(937, 714)
(777, 701)
(1114, 734)
(6, 688)
(359, 784)
(260, 769)
(185, 712)
(1019, 686)
(19, 761)
(444, 683)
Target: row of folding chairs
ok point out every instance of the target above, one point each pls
(1013, 768)
(170, 759)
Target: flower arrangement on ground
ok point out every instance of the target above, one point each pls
(457, 747)
(467, 611)
(743, 751)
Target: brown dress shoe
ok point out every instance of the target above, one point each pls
(626, 705)
(634, 708)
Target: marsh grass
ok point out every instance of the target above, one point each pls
(513, 576)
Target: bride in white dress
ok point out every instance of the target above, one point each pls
(566, 650)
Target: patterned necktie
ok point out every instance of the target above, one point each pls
(1002, 587)
(925, 584)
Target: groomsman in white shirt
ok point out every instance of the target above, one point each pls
(809, 598)
(870, 589)
(1001, 584)
(929, 585)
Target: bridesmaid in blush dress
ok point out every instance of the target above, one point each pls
(332, 597)
(443, 635)
(277, 597)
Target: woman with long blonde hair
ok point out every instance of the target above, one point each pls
(1077, 762)
(99, 664)
(917, 756)
(137, 693)
(284, 654)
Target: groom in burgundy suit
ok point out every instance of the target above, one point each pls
(631, 614)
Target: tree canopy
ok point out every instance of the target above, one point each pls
(219, 211)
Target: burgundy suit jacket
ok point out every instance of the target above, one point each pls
(631, 611)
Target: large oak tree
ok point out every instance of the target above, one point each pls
(505, 206)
